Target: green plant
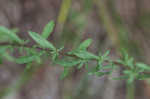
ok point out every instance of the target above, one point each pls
(76, 58)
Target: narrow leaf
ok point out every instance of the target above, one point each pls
(25, 59)
(10, 34)
(48, 29)
(41, 41)
(143, 66)
(80, 65)
(84, 45)
(67, 63)
(85, 55)
(99, 74)
(143, 76)
(120, 78)
(106, 53)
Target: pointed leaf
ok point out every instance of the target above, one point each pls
(106, 53)
(67, 63)
(48, 29)
(10, 34)
(84, 45)
(85, 55)
(99, 74)
(120, 78)
(143, 66)
(25, 59)
(143, 76)
(80, 65)
(41, 41)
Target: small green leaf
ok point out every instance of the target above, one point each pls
(84, 55)
(120, 78)
(67, 63)
(80, 65)
(33, 56)
(8, 57)
(84, 45)
(3, 49)
(143, 66)
(130, 62)
(55, 54)
(48, 29)
(131, 74)
(25, 59)
(106, 53)
(99, 74)
(10, 34)
(131, 79)
(120, 61)
(124, 53)
(143, 76)
(41, 41)
(128, 72)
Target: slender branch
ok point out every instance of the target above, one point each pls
(65, 54)
(20, 45)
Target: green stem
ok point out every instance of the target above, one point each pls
(61, 19)
(64, 10)
(63, 14)
(130, 91)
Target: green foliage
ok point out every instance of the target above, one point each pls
(10, 34)
(48, 29)
(67, 63)
(84, 45)
(41, 41)
(25, 59)
(79, 57)
(83, 54)
(143, 66)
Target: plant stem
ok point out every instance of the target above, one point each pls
(62, 17)
(130, 90)
(64, 10)
(66, 54)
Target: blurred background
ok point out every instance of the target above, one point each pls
(112, 24)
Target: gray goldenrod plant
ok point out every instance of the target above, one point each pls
(78, 57)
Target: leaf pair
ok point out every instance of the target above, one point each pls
(41, 39)
(126, 60)
(82, 52)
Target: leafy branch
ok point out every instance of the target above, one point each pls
(78, 57)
